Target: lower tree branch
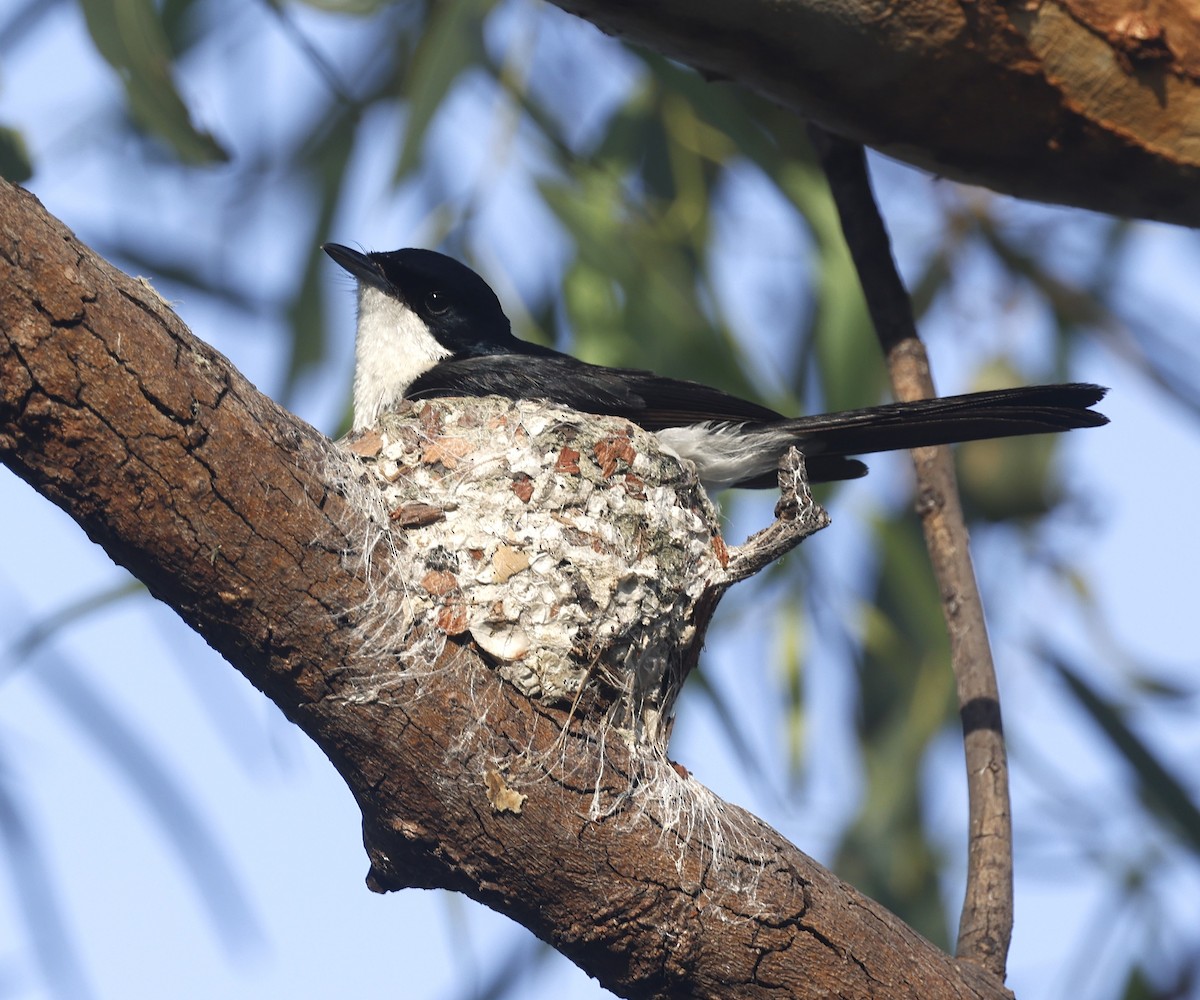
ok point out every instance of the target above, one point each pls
(985, 929)
(221, 502)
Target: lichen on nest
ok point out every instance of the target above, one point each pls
(569, 548)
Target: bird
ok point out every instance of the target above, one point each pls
(429, 326)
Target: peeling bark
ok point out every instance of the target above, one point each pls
(217, 499)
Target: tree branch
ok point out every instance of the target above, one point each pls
(221, 502)
(985, 928)
(1053, 101)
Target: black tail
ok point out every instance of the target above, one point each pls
(827, 439)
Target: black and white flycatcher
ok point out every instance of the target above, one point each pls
(430, 326)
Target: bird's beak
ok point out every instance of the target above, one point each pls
(358, 264)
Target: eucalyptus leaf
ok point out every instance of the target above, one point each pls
(15, 163)
(130, 37)
(326, 161)
(450, 44)
(352, 7)
(1162, 792)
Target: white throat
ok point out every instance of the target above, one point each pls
(393, 347)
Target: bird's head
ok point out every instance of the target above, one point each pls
(454, 304)
(416, 308)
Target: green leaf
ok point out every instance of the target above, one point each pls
(354, 7)
(50, 626)
(182, 24)
(326, 162)
(450, 44)
(1159, 789)
(906, 700)
(130, 37)
(15, 164)
(1006, 479)
(851, 371)
(791, 661)
(735, 114)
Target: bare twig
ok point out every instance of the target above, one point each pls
(985, 929)
(797, 516)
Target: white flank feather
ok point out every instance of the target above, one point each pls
(725, 453)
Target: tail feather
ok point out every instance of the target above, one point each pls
(746, 454)
(975, 416)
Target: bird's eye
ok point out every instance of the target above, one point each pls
(437, 302)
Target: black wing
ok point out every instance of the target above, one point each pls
(649, 400)
(827, 440)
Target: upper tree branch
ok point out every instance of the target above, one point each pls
(215, 497)
(1053, 101)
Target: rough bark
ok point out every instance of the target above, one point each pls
(1091, 103)
(216, 498)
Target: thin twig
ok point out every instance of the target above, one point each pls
(797, 515)
(985, 929)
